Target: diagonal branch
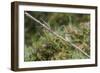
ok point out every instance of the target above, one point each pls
(54, 33)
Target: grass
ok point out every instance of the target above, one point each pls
(49, 47)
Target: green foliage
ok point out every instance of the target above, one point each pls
(40, 44)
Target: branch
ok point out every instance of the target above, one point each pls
(47, 28)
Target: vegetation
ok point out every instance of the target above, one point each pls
(41, 44)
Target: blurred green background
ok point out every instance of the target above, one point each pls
(42, 45)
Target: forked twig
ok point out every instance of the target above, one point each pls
(45, 23)
(49, 29)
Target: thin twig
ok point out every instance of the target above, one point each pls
(45, 23)
(47, 28)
